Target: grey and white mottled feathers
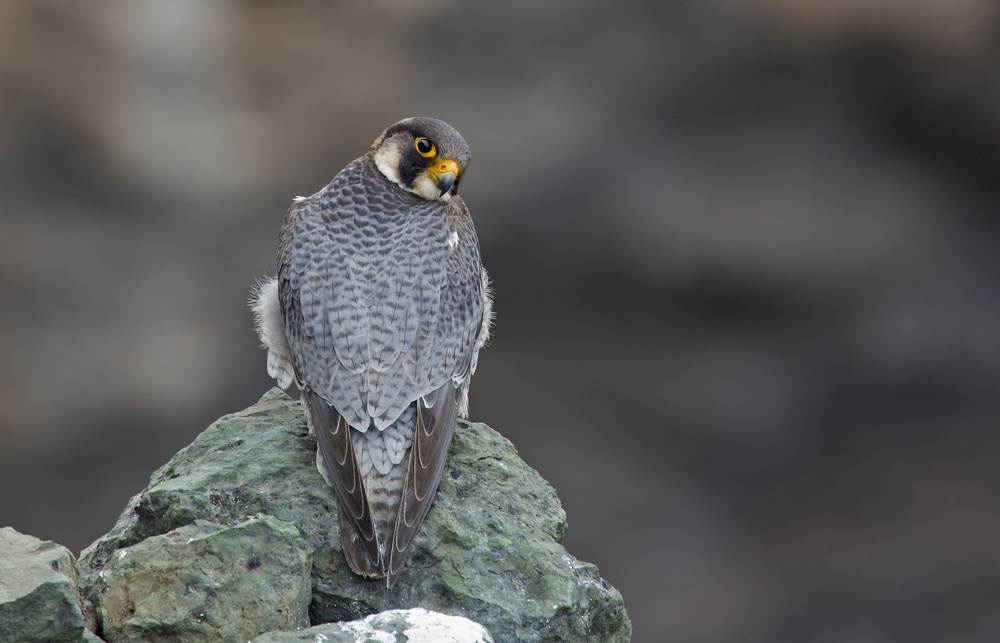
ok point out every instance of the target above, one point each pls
(378, 311)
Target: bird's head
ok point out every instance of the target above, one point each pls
(423, 155)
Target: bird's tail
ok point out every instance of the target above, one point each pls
(384, 493)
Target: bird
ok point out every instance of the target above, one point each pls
(377, 313)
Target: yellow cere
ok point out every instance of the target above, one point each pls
(445, 166)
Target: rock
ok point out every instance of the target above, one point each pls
(207, 582)
(38, 599)
(414, 625)
(489, 550)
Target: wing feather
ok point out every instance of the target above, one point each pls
(341, 470)
(435, 426)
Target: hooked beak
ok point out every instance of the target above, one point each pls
(444, 174)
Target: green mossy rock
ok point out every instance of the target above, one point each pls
(38, 599)
(206, 582)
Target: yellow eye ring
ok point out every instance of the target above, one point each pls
(424, 147)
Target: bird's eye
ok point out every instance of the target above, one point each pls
(424, 146)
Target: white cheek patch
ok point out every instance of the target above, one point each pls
(387, 162)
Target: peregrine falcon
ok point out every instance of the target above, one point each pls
(378, 312)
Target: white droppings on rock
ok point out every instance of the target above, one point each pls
(424, 626)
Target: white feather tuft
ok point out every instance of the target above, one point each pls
(267, 322)
(487, 323)
(481, 339)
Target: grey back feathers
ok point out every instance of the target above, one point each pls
(380, 309)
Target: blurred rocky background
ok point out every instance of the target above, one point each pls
(746, 256)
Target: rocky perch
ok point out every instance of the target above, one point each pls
(236, 538)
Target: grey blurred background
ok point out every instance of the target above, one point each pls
(745, 256)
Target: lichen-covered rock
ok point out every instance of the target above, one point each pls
(38, 599)
(206, 582)
(414, 625)
(489, 550)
